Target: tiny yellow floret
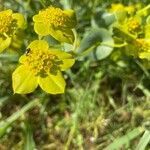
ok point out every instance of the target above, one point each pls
(6, 21)
(55, 17)
(143, 48)
(133, 25)
(142, 44)
(10, 25)
(41, 62)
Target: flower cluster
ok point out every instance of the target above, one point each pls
(121, 8)
(55, 22)
(143, 48)
(133, 28)
(10, 23)
(42, 65)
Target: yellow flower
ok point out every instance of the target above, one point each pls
(121, 12)
(41, 66)
(55, 22)
(9, 24)
(130, 9)
(120, 7)
(117, 7)
(133, 25)
(143, 48)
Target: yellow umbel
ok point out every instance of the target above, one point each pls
(6, 22)
(142, 44)
(133, 25)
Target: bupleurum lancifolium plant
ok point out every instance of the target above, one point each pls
(43, 63)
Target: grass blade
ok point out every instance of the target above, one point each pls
(124, 140)
(5, 124)
(29, 143)
(144, 141)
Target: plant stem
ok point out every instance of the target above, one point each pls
(75, 40)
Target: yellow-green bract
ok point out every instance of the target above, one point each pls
(55, 22)
(41, 66)
(9, 24)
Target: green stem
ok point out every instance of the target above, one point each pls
(142, 68)
(71, 134)
(5, 124)
(75, 40)
(114, 45)
(140, 12)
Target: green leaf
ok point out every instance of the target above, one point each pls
(101, 40)
(24, 80)
(124, 140)
(108, 18)
(144, 141)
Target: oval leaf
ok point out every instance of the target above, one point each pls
(100, 38)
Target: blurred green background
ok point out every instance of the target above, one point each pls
(106, 104)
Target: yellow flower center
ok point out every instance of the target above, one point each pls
(55, 16)
(142, 45)
(42, 62)
(133, 25)
(7, 23)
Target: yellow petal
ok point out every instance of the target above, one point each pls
(38, 44)
(4, 43)
(42, 28)
(62, 35)
(37, 18)
(20, 20)
(24, 80)
(67, 58)
(71, 14)
(145, 55)
(67, 63)
(60, 54)
(22, 59)
(53, 84)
